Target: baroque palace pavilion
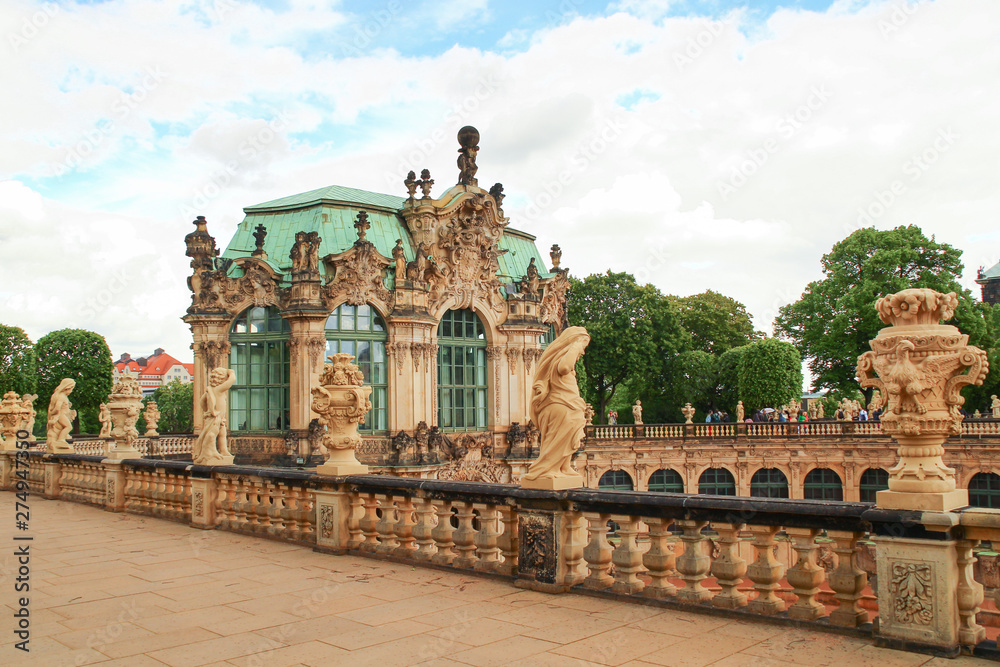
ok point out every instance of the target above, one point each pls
(445, 307)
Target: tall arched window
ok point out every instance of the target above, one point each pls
(769, 483)
(873, 480)
(984, 490)
(258, 353)
(360, 331)
(666, 481)
(615, 480)
(822, 484)
(547, 337)
(462, 380)
(717, 482)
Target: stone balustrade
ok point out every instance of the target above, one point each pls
(767, 430)
(789, 560)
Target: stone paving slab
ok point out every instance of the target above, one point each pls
(117, 589)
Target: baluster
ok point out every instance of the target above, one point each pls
(728, 568)
(597, 553)
(403, 530)
(847, 581)
(659, 560)
(765, 572)
(806, 576)
(443, 534)
(693, 565)
(970, 595)
(369, 523)
(423, 531)
(387, 540)
(573, 546)
(465, 536)
(508, 540)
(355, 536)
(627, 557)
(486, 539)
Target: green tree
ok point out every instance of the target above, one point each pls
(82, 356)
(770, 374)
(632, 327)
(835, 319)
(691, 377)
(715, 322)
(175, 401)
(728, 379)
(17, 361)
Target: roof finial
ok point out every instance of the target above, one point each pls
(468, 138)
(259, 234)
(362, 225)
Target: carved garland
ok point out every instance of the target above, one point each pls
(512, 354)
(493, 354)
(530, 355)
(398, 352)
(214, 352)
(911, 593)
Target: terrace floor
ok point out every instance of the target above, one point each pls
(120, 589)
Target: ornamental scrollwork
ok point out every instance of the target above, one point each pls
(910, 587)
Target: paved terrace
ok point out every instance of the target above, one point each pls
(120, 589)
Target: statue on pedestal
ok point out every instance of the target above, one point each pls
(558, 410)
(588, 414)
(152, 415)
(60, 419)
(27, 403)
(342, 401)
(104, 417)
(212, 445)
(637, 412)
(740, 412)
(995, 406)
(688, 412)
(400, 259)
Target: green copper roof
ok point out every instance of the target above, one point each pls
(333, 194)
(521, 248)
(992, 272)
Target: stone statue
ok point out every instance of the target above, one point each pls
(28, 424)
(212, 445)
(468, 139)
(497, 193)
(558, 410)
(532, 439)
(876, 401)
(60, 419)
(995, 406)
(342, 401)
(588, 414)
(415, 270)
(529, 284)
(921, 367)
(104, 417)
(11, 418)
(637, 412)
(740, 412)
(688, 412)
(300, 249)
(400, 258)
(977, 414)
(312, 257)
(152, 415)
(820, 410)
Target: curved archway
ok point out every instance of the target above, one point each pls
(984, 490)
(616, 480)
(872, 481)
(463, 382)
(822, 484)
(717, 482)
(361, 332)
(769, 483)
(258, 342)
(666, 481)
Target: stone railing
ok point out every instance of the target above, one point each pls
(790, 560)
(822, 428)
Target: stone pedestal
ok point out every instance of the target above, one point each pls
(203, 492)
(125, 404)
(550, 550)
(114, 486)
(333, 509)
(51, 477)
(342, 402)
(554, 483)
(927, 502)
(6, 470)
(917, 584)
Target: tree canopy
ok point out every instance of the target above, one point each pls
(17, 361)
(835, 319)
(82, 356)
(770, 374)
(632, 327)
(175, 401)
(715, 322)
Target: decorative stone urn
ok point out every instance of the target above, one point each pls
(341, 401)
(125, 404)
(921, 365)
(12, 415)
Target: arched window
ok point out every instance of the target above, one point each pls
(769, 483)
(258, 352)
(547, 337)
(615, 480)
(360, 330)
(666, 481)
(462, 381)
(873, 480)
(717, 482)
(823, 484)
(984, 490)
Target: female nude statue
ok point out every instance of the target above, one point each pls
(212, 447)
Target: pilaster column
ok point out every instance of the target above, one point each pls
(211, 350)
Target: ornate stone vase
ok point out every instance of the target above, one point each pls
(11, 417)
(125, 404)
(341, 401)
(921, 365)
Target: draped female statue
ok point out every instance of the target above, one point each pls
(558, 410)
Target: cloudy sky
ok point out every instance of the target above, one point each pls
(718, 145)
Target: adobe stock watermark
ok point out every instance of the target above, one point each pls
(900, 15)
(785, 129)
(121, 109)
(913, 169)
(99, 302)
(698, 44)
(656, 258)
(585, 155)
(32, 26)
(368, 29)
(221, 178)
(416, 158)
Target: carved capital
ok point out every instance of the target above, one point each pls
(397, 352)
(512, 354)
